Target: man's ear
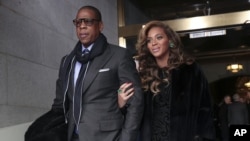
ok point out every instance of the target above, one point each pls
(101, 26)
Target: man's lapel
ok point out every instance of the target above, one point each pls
(95, 66)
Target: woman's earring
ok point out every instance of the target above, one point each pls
(171, 44)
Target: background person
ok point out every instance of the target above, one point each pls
(223, 117)
(237, 111)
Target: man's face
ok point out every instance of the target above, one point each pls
(88, 27)
(248, 95)
(227, 100)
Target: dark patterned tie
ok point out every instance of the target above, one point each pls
(77, 98)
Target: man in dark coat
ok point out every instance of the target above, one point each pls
(237, 111)
(93, 78)
(223, 119)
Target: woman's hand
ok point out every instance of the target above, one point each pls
(124, 93)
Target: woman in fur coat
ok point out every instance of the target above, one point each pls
(178, 105)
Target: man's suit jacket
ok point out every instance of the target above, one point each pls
(237, 113)
(101, 118)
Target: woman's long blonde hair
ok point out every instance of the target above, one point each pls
(148, 68)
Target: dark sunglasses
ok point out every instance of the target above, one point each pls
(87, 22)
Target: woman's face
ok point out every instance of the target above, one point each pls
(158, 43)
